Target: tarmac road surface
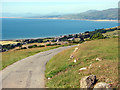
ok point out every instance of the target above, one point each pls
(28, 72)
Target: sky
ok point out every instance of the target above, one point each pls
(54, 7)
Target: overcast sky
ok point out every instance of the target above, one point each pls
(55, 6)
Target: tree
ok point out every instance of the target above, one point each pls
(97, 36)
(20, 46)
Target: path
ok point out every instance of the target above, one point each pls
(28, 72)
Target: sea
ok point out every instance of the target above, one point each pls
(17, 28)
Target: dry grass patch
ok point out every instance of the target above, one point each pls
(8, 42)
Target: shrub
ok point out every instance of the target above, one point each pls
(23, 48)
(32, 46)
(87, 39)
(76, 42)
(97, 36)
(87, 32)
(41, 46)
(115, 36)
(48, 44)
(53, 44)
(59, 44)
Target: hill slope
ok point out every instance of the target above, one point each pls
(109, 14)
(63, 72)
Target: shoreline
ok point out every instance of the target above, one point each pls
(36, 37)
(26, 38)
(100, 20)
(51, 19)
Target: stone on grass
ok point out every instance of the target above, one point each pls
(98, 59)
(84, 68)
(88, 81)
(90, 66)
(71, 57)
(76, 48)
(75, 61)
(49, 78)
(101, 85)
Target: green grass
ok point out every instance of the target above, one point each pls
(11, 56)
(64, 73)
(112, 34)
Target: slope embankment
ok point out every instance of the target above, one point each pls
(98, 57)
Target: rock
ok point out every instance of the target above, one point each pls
(84, 68)
(71, 57)
(88, 81)
(75, 61)
(90, 66)
(49, 78)
(98, 59)
(101, 85)
(76, 48)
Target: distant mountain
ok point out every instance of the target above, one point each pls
(90, 11)
(109, 14)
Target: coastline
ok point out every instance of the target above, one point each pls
(28, 38)
(49, 18)
(100, 20)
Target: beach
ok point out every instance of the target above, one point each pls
(63, 19)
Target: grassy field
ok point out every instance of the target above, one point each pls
(112, 34)
(64, 73)
(12, 56)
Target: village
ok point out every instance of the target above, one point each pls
(70, 39)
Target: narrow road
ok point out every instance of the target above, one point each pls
(28, 72)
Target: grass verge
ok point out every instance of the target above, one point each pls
(64, 73)
(11, 56)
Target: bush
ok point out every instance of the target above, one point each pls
(53, 40)
(23, 48)
(48, 44)
(41, 46)
(97, 36)
(76, 42)
(59, 44)
(54, 44)
(115, 36)
(87, 39)
(87, 32)
(32, 46)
